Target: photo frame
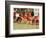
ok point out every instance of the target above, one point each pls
(19, 24)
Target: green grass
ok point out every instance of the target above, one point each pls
(24, 26)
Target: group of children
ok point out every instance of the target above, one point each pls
(26, 18)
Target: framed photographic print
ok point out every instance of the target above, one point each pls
(24, 18)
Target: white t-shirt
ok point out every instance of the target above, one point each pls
(17, 15)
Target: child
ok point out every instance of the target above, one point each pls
(29, 18)
(25, 17)
(36, 19)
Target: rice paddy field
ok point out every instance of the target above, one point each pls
(24, 26)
